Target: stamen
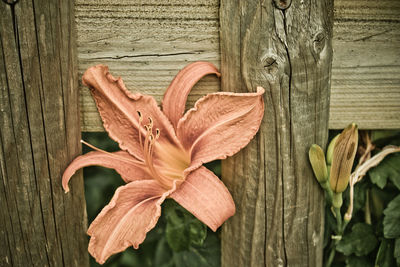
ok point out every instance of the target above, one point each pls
(140, 124)
(112, 155)
(148, 146)
(93, 147)
(151, 145)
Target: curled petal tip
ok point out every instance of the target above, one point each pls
(65, 185)
(260, 90)
(175, 97)
(93, 71)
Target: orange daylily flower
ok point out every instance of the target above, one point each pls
(162, 153)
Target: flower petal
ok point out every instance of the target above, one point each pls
(132, 212)
(219, 125)
(174, 100)
(206, 197)
(120, 161)
(118, 110)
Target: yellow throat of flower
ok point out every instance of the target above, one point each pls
(165, 162)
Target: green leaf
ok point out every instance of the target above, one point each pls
(129, 257)
(377, 203)
(397, 251)
(389, 168)
(378, 176)
(360, 191)
(354, 261)
(391, 221)
(163, 254)
(381, 137)
(360, 241)
(215, 167)
(182, 229)
(384, 258)
(207, 255)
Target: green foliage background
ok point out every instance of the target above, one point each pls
(372, 238)
(178, 239)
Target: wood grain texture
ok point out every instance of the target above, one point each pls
(287, 49)
(39, 136)
(147, 42)
(366, 64)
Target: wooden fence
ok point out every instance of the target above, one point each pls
(148, 44)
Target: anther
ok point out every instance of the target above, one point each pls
(157, 133)
(140, 115)
(150, 122)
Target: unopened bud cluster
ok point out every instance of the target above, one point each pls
(333, 173)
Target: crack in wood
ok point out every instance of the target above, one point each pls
(149, 55)
(290, 131)
(371, 35)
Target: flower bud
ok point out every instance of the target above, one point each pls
(317, 160)
(329, 151)
(343, 155)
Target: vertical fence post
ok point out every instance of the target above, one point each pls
(39, 136)
(286, 47)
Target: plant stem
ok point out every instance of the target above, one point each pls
(329, 193)
(338, 221)
(339, 232)
(345, 222)
(367, 213)
(331, 255)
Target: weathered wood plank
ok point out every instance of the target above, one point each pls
(366, 64)
(40, 225)
(147, 43)
(286, 48)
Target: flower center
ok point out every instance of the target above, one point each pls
(165, 162)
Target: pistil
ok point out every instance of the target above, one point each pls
(148, 149)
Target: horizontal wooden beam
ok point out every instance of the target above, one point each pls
(366, 64)
(147, 44)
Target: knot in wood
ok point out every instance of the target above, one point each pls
(319, 42)
(10, 2)
(270, 64)
(282, 4)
